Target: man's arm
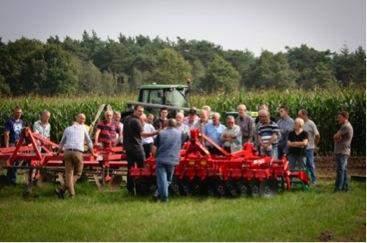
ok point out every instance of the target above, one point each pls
(7, 128)
(96, 136)
(251, 129)
(89, 143)
(149, 134)
(300, 144)
(317, 134)
(62, 142)
(6, 138)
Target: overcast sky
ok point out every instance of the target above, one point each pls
(233, 24)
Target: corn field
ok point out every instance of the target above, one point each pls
(322, 105)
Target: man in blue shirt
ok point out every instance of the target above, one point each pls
(168, 144)
(214, 131)
(12, 131)
(286, 125)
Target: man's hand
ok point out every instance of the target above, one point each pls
(337, 137)
(94, 154)
(58, 152)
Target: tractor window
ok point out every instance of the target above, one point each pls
(144, 96)
(156, 97)
(175, 98)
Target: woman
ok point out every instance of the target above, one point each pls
(297, 143)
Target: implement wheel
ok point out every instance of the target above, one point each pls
(243, 188)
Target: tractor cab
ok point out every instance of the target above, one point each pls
(168, 95)
(154, 96)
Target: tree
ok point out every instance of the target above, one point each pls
(304, 60)
(50, 70)
(171, 68)
(242, 61)
(350, 67)
(12, 61)
(271, 71)
(4, 87)
(220, 76)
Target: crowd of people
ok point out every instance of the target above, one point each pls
(142, 135)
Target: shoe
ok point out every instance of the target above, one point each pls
(60, 193)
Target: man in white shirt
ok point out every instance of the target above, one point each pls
(232, 137)
(147, 141)
(43, 126)
(72, 143)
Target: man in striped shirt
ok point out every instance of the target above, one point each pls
(268, 135)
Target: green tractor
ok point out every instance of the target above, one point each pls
(154, 96)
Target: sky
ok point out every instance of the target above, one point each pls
(255, 25)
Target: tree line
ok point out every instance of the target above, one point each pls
(93, 65)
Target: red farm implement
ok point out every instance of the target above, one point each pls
(198, 172)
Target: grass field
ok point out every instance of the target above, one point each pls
(314, 215)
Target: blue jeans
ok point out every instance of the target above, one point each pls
(310, 164)
(341, 181)
(164, 174)
(296, 162)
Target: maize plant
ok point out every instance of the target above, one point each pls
(322, 105)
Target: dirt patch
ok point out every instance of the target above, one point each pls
(326, 236)
(325, 166)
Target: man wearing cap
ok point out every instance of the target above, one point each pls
(191, 119)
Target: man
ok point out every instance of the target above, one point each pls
(12, 131)
(231, 137)
(147, 141)
(262, 107)
(73, 144)
(209, 110)
(160, 123)
(297, 143)
(268, 135)
(133, 144)
(342, 147)
(150, 118)
(117, 120)
(204, 119)
(313, 140)
(245, 123)
(183, 128)
(168, 145)
(43, 126)
(191, 119)
(286, 125)
(106, 131)
(214, 131)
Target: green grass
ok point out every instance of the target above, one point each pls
(115, 216)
